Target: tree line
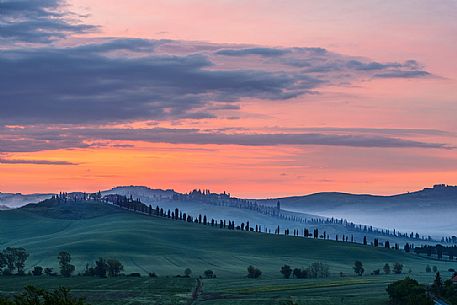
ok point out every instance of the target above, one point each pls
(137, 206)
(437, 250)
(13, 260)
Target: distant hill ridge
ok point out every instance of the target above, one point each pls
(438, 191)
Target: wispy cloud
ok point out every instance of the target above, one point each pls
(36, 162)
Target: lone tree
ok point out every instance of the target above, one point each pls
(407, 248)
(358, 268)
(386, 268)
(66, 269)
(437, 286)
(398, 268)
(254, 272)
(428, 269)
(286, 271)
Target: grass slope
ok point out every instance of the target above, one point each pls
(167, 247)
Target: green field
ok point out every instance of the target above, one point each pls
(149, 244)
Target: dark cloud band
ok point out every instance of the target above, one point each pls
(37, 139)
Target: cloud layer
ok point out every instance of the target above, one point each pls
(55, 82)
(118, 80)
(37, 21)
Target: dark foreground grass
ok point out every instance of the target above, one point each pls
(335, 290)
(112, 291)
(241, 291)
(332, 291)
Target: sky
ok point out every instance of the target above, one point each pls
(257, 98)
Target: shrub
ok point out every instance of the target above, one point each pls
(254, 272)
(49, 272)
(435, 269)
(398, 268)
(187, 272)
(300, 273)
(376, 272)
(37, 271)
(114, 267)
(152, 274)
(101, 267)
(428, 269)
(358, 268)
(318, 270)
(209, 274)
(134, 274)
(386, 268)
(286, 271)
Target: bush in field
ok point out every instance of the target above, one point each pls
(36, 296)
(318, 270)
(114, 267)
(187, 272)
(376, 272)
(386, 268)
(37, 271)
(428, 269)
(152, 274)
(101, 268)
(254, 272)
(89, 271)
(286, 271)
(408, 292)
(398, 268)
(435, 269)
(209, 274)
(300, 273)
(358, 268)
(104, 267)
(49, 272)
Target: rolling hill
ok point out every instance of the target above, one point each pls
(144, 243)
(16, 200)
(431, 211)
(218, 209)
